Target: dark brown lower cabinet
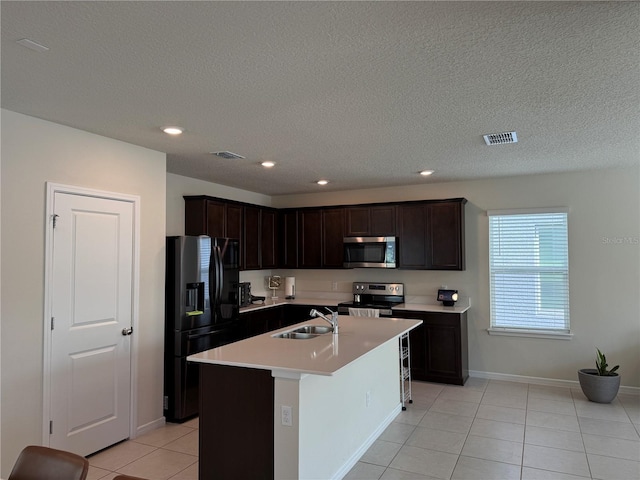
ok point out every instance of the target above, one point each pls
(261, 321)
(299, 313)
(268, 319)
(439, 347)
(236, 422)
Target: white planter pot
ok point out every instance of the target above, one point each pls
(597, 388)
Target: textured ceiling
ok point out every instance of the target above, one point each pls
(365, 94)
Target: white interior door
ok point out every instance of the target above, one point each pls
(92, 276)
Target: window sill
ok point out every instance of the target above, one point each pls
(516, 332)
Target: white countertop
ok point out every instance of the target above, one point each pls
(423, 307)
(329, 302)
(321, 355)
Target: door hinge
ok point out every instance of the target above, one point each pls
(50, 427)
(54, 219)
(53, 323)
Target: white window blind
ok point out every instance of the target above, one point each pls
(529, 271)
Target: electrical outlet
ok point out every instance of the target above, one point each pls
(334, 286)
(367, 398)
(285, 410)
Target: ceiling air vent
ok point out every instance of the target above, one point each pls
(500, 138)
(227, 155)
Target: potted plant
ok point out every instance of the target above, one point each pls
(600, 384)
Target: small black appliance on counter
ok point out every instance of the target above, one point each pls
(448, 297)
(244, 293)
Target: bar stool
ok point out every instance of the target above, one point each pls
(44, 463)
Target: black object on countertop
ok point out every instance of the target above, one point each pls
(447, 297)
(255, 298)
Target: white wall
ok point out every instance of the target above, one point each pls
(35, 152)
(604, 262)
(179, 186)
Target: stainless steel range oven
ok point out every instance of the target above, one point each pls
(373, 299)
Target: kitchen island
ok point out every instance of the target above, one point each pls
(298, 408)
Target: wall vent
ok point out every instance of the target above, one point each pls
(500, 138)
(227, 155)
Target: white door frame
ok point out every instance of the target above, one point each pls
(52, 189)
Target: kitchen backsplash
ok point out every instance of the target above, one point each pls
(420, 287)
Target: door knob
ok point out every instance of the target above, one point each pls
(127, 331)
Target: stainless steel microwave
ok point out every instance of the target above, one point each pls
(370, 252)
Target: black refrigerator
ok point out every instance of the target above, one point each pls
(201, 312)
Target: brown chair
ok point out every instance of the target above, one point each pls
(44, 463)
(127, 477)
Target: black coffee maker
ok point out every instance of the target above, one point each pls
(244, 293)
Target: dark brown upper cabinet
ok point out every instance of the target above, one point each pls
(268, 238)
(431, 235)
(332, 237)
(288, 238)
(255, 227)
(358, 221)
(215, 218)
(364, 220)
(252, 238)
(203, 216)
(320, 235)
(412, 236)
(446, 236)
(310, 238)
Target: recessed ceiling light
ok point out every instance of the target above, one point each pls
(172, 130)
(322, 182)
(426, 173)
(268, 164)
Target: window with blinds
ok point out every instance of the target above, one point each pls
(529, 270)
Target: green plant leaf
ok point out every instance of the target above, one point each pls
(601, 364)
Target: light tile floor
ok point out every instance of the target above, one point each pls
(167, 453)
(497, 430)
(486, 430)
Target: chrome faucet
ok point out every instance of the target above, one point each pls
(333, 320)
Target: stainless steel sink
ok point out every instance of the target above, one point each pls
(306, 331)
(317, 329)
(297, 335)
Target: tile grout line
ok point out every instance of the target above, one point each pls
(582, 436)
(484, 391)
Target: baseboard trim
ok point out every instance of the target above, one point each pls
(147, 427)
(541, 381)
(350, 463)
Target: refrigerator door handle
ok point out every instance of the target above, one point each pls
(213, 279)
(220, 276)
